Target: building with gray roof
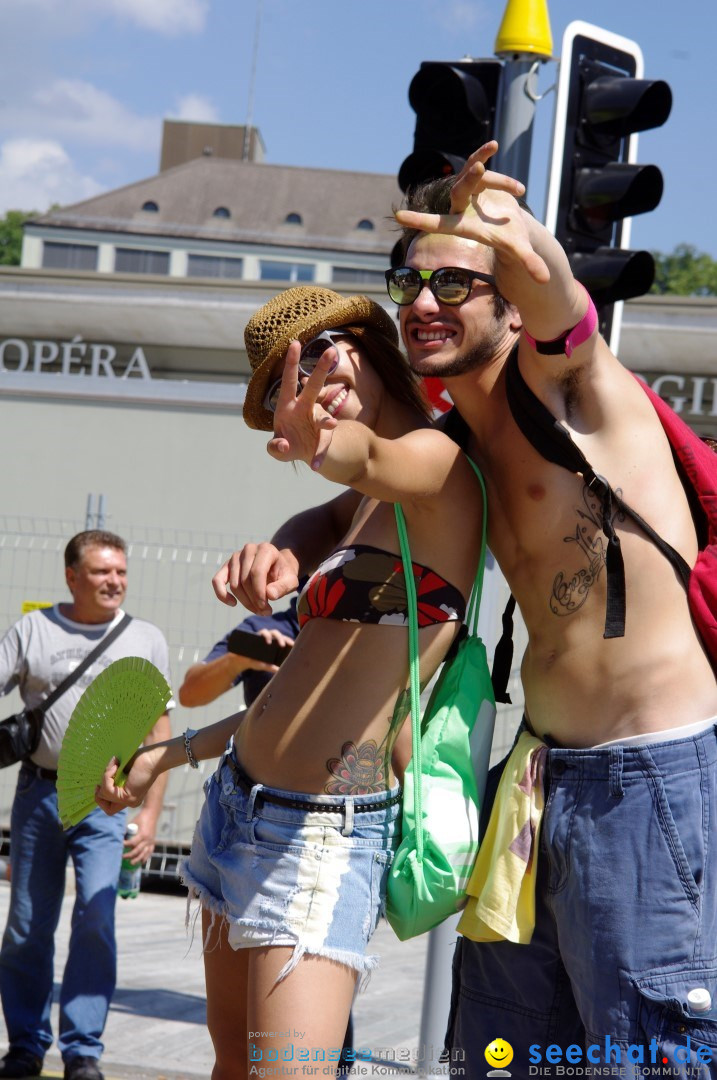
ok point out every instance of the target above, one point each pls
(223, 217)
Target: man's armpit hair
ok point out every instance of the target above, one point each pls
(569, 382)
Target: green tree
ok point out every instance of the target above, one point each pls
(685, 272)
(11, 236)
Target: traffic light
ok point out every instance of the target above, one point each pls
(595, 184)
(455, 105)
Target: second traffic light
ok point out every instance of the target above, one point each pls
(455, 106)
(595, 185)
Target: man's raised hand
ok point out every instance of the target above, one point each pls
(255, 575)
(484, 208)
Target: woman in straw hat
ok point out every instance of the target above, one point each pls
(293, 846)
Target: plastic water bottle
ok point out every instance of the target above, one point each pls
(130, 875)
(699, 1002)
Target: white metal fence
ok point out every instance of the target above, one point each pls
(169, 583)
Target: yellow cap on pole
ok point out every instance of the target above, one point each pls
(525, 29)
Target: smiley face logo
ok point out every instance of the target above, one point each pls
(499, 1053)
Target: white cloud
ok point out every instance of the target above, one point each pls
(75, 109)
(169, 17)
(196, 107)
(463, 14)
(165, 16)
(34, 173)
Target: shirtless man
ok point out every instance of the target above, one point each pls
(626, 905)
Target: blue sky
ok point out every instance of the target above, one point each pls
(84, 85)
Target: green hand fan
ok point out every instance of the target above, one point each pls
(112, 719)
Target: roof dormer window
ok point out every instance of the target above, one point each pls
(150, 206)
(221, 212)
(293, 219)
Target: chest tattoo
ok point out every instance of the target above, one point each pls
(571, 588)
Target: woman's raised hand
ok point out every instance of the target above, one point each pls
(302, 427)
(484, 209)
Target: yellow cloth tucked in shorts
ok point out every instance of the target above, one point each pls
(501, 890)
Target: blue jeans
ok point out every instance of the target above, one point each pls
(39, 852)
(312, 877)
(626, 923)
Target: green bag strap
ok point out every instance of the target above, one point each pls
(413, 654)
(415, 677)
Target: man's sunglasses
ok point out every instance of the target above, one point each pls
(308, 359)
(449, 285)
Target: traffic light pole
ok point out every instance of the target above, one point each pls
(514, 119)
(524, 41)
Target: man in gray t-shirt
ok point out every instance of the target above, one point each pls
(36, 654)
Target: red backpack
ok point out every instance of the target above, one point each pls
(697, 466)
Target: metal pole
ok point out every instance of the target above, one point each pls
(90, 512)
(436, 998)
(524, 41)
(515, 114)
(246, 149)
(438, 977)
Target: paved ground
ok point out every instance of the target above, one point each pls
(156, 1026)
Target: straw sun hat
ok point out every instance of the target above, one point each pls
(300, 314)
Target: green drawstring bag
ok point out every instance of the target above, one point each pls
(445, 779)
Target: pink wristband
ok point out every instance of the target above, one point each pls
(565, 343)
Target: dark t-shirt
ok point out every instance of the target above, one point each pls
(286, 622)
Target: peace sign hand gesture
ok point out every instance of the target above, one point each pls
(303, 429)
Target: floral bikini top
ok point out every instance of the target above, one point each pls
(366, 585)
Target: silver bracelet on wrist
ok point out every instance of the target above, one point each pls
(188, 736)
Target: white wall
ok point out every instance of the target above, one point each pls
(184, 467)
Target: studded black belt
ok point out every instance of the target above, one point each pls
(246, 784)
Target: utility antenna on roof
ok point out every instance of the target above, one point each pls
(252, 81)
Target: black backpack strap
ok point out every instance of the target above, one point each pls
(503, 657)
(82, 668)
(553, 442)
(546, 434)
(455, 427)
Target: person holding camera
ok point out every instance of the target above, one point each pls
(226, 665)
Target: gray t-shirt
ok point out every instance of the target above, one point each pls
(42, 648)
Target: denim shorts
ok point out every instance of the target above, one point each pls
(311, 879)
(626, 922)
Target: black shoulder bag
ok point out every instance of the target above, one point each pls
(20, 733)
